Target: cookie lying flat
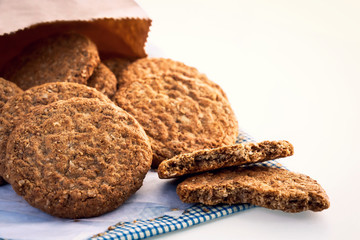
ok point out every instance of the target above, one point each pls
(226, 156)
(179, 114)
(59, 58)
(17, 107)
(144, 67)
(7, 91)
(117, 66)
(271, 188)
(77, 158)
(103, 80)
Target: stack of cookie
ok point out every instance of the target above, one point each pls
(70, 151)
(66, 148)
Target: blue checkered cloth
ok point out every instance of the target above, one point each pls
(193, 215)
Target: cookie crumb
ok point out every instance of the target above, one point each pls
(111, 228)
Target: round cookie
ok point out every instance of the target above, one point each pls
(144, 67)
(59, 58)
(17, 107)
(117, 66)
(93, 155)
(7, 91)
(179, 114)
(103, 80)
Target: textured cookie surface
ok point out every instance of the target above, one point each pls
(59, 58)
(179, 114)
(145, 67)
(7, 91)
(117, 66)
(226, 156)
(103, 80)
(77, 158)
(17, 107)
(272, 188)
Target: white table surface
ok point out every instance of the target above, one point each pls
(291, 70)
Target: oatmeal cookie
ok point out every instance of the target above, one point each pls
(7, 91)
(117, 66)
(267, 187)
(226, 156)
(180, 114)
(92, 155)
(59, 58)
(103, 80)
(17, 107)
(145, 67)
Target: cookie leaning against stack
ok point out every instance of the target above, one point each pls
(144, 67)
(17, 107)
(179, 113)
(7, 91)
(92, 154)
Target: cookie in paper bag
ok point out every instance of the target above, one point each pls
(77, 158)
(66, 57)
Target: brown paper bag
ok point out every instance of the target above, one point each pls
(118, 28)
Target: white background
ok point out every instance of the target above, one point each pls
(291, 70)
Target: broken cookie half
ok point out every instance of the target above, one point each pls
(226, 156)
(267, 187)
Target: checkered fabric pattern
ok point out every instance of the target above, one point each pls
(195, 214)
